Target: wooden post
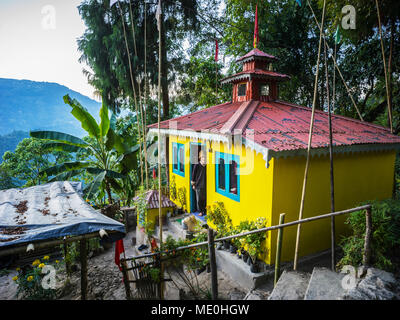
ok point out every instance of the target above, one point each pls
(83, 257)
(213, 264)
(126, 280)
(368, 234)
(279, 249)
(67, 263)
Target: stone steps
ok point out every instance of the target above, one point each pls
(292, 285)
(321, 284)
(324, 284)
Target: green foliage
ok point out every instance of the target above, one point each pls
(27, 162)
(218, 215)
(385, 236)
(172, 189)
(106, 156)
(9, 142)
(141, 210)
(181, 196)
(29, 281)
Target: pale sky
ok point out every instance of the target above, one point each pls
(38, 42)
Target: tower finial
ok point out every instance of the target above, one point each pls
(256, 39)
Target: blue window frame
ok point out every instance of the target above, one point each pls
(178, 158)
(227, 175)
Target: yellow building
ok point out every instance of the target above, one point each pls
(256, 154)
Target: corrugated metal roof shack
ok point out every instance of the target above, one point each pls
(49, 215)
(256, 148)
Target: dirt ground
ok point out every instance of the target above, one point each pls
(105, 280)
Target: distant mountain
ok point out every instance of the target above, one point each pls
(9, 141)
(29, 105)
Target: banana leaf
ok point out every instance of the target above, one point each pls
(65, 176)
(104, 120)
(66, 166)
(115, 185)
(59, 146)
(88, 123)
(92, 188)
(59, 137)
(109, 173)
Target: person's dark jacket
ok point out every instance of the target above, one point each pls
(199, 176)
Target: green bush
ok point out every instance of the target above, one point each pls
(385, 236)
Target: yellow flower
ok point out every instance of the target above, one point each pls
(46, 258)
(57, 261)
(18, 269)
(41, 265)
(15, 278)
(30, 278)
(36, 262)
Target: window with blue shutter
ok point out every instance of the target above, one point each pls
(178, 158)
(227, 176)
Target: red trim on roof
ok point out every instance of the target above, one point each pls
(257, 72)
(257, 53)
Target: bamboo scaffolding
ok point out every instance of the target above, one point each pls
(296, 253)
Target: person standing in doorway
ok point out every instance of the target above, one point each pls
(199, 183)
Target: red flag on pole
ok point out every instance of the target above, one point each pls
(154, 173)
(216, 50)
(256, 39)
(119, 248)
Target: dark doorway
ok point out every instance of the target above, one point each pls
(195, 148)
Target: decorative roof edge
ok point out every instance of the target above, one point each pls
(249, 75)
(267, 153)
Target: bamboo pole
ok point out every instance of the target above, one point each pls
(368, 235)
(332, 193)
(296, 253)
(159, 10)
(51, 243)
(213, 264)
(389, 104)
(336, 66)
(83, 258)
(279, 249)
(133, 88)
(143, 133)
(126, 280)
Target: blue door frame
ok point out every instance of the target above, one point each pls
(192, 192)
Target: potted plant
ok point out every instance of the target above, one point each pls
(181, 196)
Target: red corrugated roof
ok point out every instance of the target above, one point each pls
(257, 53)
(282, 126)
(152, 200)
(256, 72)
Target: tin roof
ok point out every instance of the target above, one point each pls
(283, 126)
(49, 211)
(152, 200)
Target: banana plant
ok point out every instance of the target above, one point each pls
(109, 160)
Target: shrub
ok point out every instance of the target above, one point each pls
(29, 281)
(218, 215)
(385, 235)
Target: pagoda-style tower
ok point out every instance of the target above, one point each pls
(257, 81)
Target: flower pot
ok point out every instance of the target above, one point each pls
(254, 267)
(245, 257)
(226, 245)
(200, 270)
(232, 249)
(220, 246)
(249, 261)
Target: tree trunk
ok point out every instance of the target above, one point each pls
(164, 74)
(108, 190)
(389, 75)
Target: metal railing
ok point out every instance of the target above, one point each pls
(211, 241)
